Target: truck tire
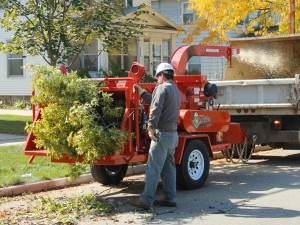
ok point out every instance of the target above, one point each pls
(194, 168)
(109, 175)
(276, 144)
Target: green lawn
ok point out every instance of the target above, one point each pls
(13, 124)
(14, 167)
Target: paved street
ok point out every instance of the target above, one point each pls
(264, 191)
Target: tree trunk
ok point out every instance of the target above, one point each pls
(292, 17)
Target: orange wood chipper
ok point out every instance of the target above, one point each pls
(202, 130)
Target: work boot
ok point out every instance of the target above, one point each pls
(139, 204)
(163, 202)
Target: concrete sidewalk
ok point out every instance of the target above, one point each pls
(9, 139)
(16, 112)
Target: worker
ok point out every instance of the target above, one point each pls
(162, 129)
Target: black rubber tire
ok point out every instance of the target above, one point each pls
(109, 175)
(276, 145)
(193, 171)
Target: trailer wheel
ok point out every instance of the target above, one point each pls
(194, 168)
(109, 175)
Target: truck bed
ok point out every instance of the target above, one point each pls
(259, 97)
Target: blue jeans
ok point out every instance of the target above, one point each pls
(161, 164)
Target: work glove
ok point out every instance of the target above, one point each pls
(152, 134)
(139, 89)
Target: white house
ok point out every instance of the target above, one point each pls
(154, 46)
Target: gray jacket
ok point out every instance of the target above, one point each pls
(165, 105)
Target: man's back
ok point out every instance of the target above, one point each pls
(165, 106)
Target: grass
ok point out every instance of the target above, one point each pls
(15, 170)
(14, 124)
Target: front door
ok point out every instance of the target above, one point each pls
(155, 51)
(156, 56)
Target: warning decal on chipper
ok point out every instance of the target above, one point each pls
(203, 121)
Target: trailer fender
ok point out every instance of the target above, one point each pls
(185, 139)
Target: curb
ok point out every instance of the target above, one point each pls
(12, 143)
(65, 182)
(59, 183)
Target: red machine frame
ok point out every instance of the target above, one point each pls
(196, 120)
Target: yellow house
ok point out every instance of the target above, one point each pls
(153, 47)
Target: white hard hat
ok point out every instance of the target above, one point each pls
(162, 67)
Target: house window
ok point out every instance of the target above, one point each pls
(166, 51)
(124, 60)
(147, 55)
(128, 3)
(194, 65)
(156, 55)
(15, 64)
(128, 60)
(156, 52)
(187, 15)
(87, 60)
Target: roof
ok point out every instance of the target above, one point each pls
(158, 20)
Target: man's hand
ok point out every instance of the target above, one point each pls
(139, 89)
(152, 134)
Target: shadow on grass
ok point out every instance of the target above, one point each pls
(14, 124)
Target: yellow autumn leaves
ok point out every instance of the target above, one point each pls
(215, 18)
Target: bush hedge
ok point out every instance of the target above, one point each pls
(71, 122)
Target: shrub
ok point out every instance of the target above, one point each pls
(22, 105)
(70, 122)
(3, 105)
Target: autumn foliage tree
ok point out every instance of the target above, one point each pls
(217, 17)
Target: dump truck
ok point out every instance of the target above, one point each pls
(262, 91)
(202, 130)
(266, 108)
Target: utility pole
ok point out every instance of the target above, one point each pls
(292, 17)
